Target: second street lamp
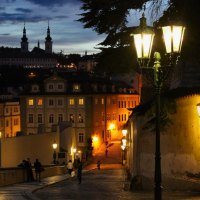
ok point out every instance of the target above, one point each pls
(54, 145)
(143, 40)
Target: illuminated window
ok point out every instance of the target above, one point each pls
(40, 102)
(81, 137)
(81, 101)
(76, 87)
(102, 101)
(30, 102)
(96, 100)
(30, 118)
(71, 101)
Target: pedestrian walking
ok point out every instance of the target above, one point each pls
(38, 169)
(70, 167)
(98, 164)
(106, 152)
(79, 171)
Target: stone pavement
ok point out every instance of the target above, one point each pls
(24, 191)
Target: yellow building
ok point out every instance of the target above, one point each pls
(9, 118)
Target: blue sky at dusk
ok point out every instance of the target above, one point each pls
(68, 35)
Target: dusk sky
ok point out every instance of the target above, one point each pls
(67, 34)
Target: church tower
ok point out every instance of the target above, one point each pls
(24, 41)
(48, 41)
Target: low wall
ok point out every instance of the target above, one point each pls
(9, 176)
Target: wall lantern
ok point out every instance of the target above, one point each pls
(124, 132)
(198, 109)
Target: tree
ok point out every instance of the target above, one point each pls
(110, 18)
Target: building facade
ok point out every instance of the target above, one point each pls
(93, 111)
(9, 118)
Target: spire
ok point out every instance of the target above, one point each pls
(24, 41)
(48, 41)
(24, 38)
(38, 44)
(48, 38)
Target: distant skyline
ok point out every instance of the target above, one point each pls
(67, 34)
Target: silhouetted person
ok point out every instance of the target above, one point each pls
(28, 167)
(79, 171)
(106, 152)
(38, 169)
(98, 164)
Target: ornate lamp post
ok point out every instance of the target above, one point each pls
(143, 40)
(54, 145)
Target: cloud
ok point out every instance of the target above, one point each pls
(23, 10)
(49, 3)
(21, 17)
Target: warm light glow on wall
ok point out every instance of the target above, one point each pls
(74, 150)
(111, 126)
(95, 141)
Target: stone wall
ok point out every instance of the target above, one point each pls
(15, 149)
(180, 144)
(18, 175)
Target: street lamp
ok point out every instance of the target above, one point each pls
(143, 40)
(54, 145)
(124, 132)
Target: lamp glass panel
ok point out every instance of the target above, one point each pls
(173, 37)
(178, 32)
(138, 44)
(147, 45)
(143, 44)
(167, 36)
